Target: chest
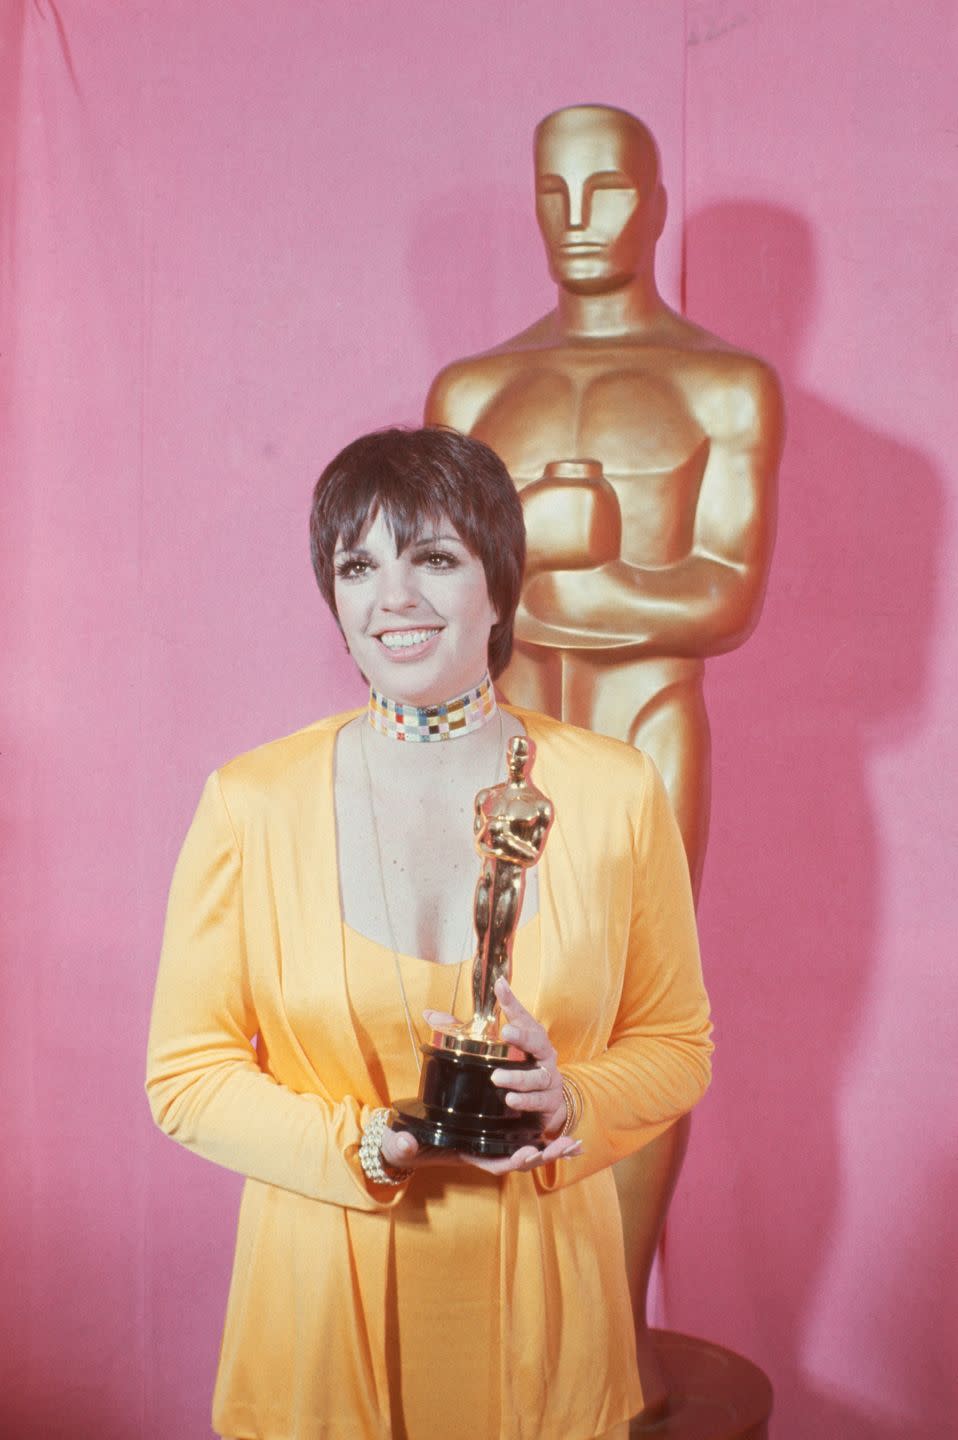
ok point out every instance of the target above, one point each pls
(633, 415)
(635, 419)
(408, 868)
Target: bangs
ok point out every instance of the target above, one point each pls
(409, 501)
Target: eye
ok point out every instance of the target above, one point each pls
(437, 560)
(351, 567)
(611, 182)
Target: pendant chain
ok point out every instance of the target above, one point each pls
(414, 1037)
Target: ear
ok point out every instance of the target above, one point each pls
(662, 209)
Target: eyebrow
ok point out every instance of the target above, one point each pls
(592, 175)
(419, 540)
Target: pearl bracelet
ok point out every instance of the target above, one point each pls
(573, 1105)
(370, 1151)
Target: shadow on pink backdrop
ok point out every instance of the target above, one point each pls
(792, 906)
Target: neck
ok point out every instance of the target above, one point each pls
(633, 306)
(452, 719)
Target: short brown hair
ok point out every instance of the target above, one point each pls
(419, 476)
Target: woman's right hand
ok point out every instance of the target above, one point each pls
(402, 1151)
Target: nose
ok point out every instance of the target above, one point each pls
(577, 214)
(398, 590)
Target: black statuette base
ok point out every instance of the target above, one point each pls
(459, 1108)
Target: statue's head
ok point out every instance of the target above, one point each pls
(599, 196)
(520, 754)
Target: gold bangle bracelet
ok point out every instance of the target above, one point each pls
(573, 1105)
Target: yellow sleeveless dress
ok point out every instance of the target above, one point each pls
(443, 1350)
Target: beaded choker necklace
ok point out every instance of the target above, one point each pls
(433, 722)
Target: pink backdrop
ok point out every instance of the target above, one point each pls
(235, 235)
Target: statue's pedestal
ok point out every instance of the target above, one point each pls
(713, 1394)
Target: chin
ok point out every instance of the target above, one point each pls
(597, 283)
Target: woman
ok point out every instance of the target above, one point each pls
(320, 921)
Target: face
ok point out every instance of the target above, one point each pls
(417, 624)
(599, 200)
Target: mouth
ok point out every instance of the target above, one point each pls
(409, 644)
(582, 247)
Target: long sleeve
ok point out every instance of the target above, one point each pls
(657, 1063)
(204, 1082)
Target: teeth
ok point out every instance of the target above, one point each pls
(402, 639)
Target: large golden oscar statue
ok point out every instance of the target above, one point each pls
(645, 451)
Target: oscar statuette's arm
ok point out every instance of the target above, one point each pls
(708, 601)
(500, 842)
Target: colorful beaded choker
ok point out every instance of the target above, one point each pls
(433, 722)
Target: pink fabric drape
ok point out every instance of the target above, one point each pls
(234, 235)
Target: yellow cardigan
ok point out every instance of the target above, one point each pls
(253, 947)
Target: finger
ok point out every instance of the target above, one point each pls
(540, 1078)
(437, 1018)
(528, 1158)
(523, 1029)
(530, 1100)
(530, 1038)
(398, 1147)
(523, 1159)
(514, 1009)
(563, 1148)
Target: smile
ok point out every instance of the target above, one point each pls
(406, 639)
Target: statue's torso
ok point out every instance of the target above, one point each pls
(628, 407)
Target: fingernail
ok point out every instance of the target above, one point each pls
(509, 1032)
(499, 1077)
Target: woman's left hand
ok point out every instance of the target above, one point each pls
(537, 1089)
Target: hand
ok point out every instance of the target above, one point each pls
(538, 1089)
(402, 1151)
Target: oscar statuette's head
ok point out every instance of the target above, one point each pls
(600, 201)
(520, 756)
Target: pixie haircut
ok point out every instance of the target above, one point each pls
(417, 478)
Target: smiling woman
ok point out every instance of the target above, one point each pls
(417, 622)
(321, 908)
(430, 501)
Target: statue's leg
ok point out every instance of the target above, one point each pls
(672, 727)
(507, 899)
(533, 679)
(646, 1182)
(482, 911)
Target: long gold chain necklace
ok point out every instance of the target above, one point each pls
(415, 1039)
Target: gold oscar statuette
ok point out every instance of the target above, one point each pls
(458, 1106)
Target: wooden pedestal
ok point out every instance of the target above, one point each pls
(714, 1394)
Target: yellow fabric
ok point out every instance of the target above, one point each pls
(254, 947)
(446, 1313)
